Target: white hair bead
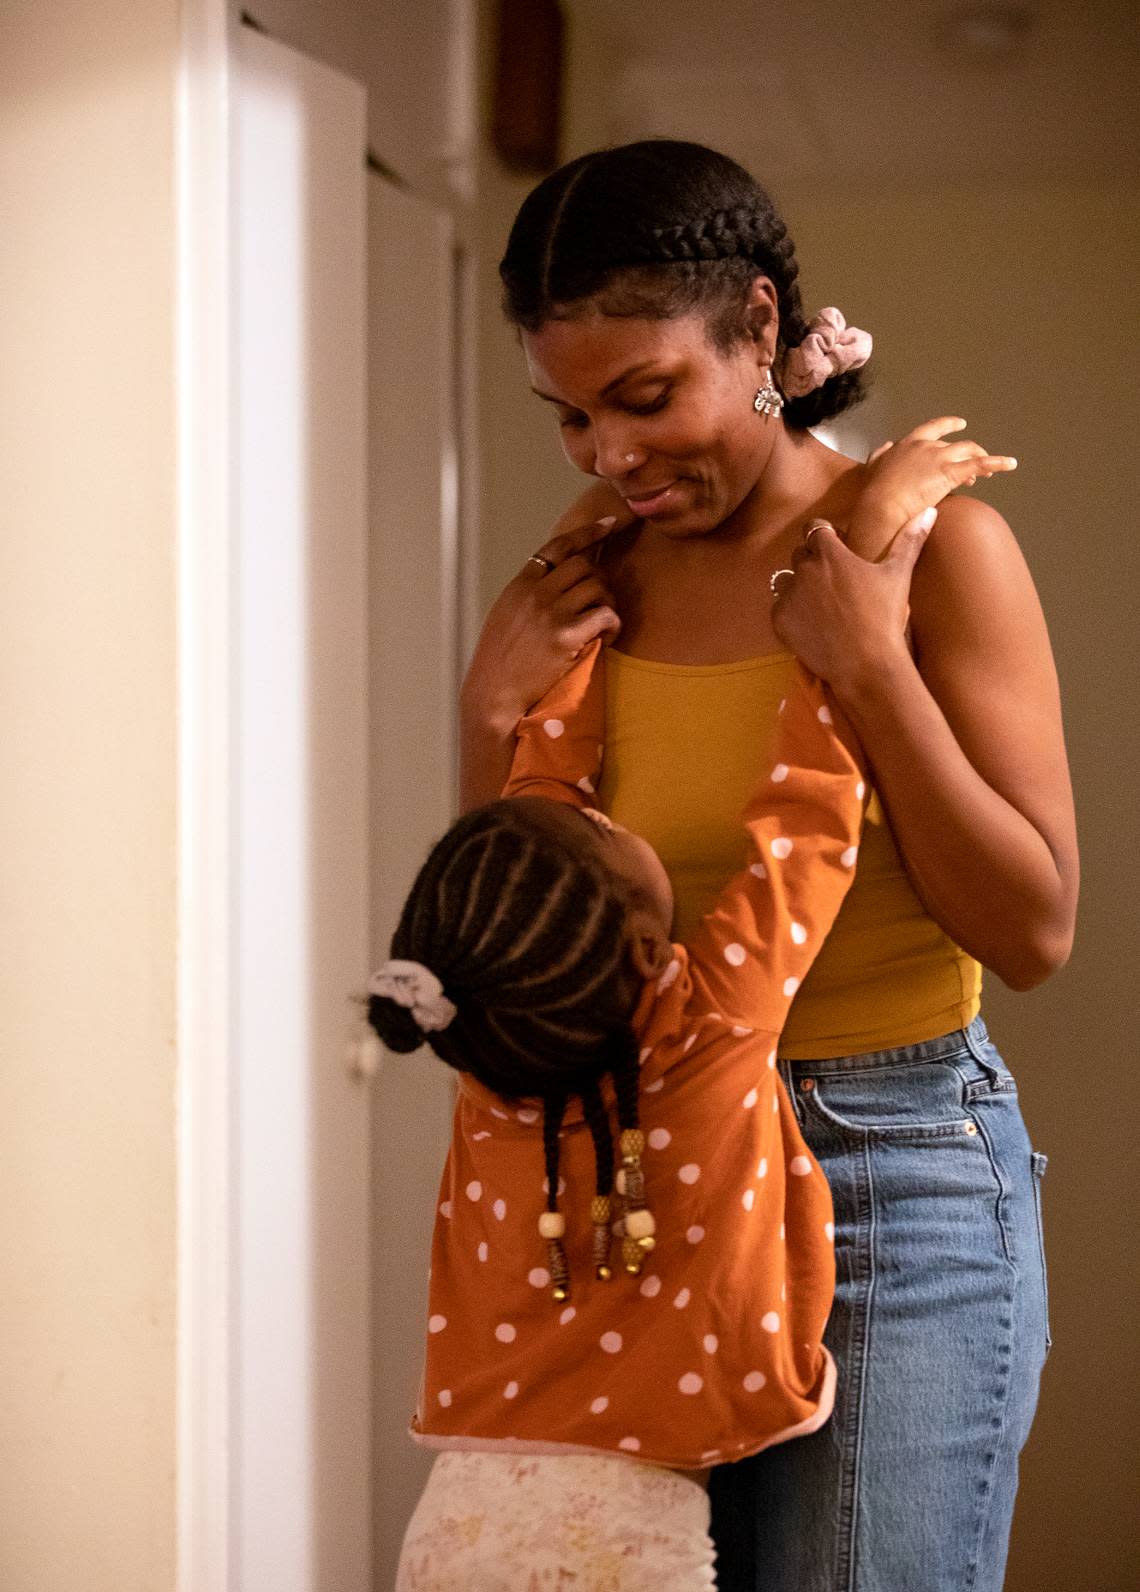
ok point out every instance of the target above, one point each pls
(552, 1224)
(640, 1224)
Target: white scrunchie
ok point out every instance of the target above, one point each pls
(830, 348)
(415, 987)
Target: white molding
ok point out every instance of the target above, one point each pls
(204, 573)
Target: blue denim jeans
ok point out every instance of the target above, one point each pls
(939, 1328)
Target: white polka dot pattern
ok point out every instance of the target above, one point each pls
(436, 1323)
(505, 1332)
(691, 1383)
(782, 848)
(735, 954)
(554, 728)
(611, 1342)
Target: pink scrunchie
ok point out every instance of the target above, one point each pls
(830, 348)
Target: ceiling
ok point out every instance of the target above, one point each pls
(869, 92)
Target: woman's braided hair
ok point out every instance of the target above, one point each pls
(661, 228)
(526, 934)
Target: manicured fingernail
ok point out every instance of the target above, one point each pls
(926, 519)
(610, 519)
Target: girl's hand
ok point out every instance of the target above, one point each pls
(845, 618)
(538, 625)
(905, 477)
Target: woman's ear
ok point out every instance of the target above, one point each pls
(763, 318)
(648, 950)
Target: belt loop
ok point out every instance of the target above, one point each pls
(974, 1042)
(785, 1068)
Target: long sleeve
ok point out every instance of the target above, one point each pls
(753, 949)
(560, 742)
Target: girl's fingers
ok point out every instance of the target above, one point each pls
(935, 430)
(597, 622)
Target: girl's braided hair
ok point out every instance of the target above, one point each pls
(661, 228)
(526, 935)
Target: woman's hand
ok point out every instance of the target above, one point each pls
(845, 618)
(538, 625)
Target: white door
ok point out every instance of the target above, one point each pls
(300, 1456)
(415, 623)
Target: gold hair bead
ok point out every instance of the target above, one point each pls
(601, 1209)
(632, 1255)
(619, 1181)
(632, 1143)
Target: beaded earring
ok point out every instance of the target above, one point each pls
(768, 400)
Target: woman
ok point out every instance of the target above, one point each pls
(654, 287)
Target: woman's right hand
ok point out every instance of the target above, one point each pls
(539, 625)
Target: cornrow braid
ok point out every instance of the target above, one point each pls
(661, 228)
(526, 935)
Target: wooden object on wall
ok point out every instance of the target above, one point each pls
(527, 96)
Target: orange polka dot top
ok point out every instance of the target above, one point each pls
(715, 1351)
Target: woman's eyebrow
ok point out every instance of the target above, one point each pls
(611, 386)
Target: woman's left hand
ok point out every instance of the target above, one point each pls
(843, 617)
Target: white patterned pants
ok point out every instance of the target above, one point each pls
(556, 1523)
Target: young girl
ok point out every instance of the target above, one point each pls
(534, 956)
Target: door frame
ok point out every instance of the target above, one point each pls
(206, 579)
(207, 566)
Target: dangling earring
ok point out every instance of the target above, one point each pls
(768, 400)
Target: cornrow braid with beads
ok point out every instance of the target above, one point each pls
(527, 937)
(660, 228)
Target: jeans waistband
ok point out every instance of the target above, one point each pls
(971, 1038)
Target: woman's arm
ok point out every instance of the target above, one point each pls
(964, 739)
(535, 630)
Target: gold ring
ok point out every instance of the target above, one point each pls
(774, 577)
(816, 525)
(544, 564)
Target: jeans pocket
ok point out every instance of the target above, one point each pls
(911, 1102)
(1038, 1163)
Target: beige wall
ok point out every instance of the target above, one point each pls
(1014, 309)
(1011, 308)
(87, 797)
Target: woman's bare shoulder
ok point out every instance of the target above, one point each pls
(972, 582)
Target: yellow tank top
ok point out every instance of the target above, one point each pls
(685, 745)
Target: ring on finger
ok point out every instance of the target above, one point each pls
(545, 565)
(773, 580)
(816, 525)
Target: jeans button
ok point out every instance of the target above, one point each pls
(970, 1127)
(807, 1085)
